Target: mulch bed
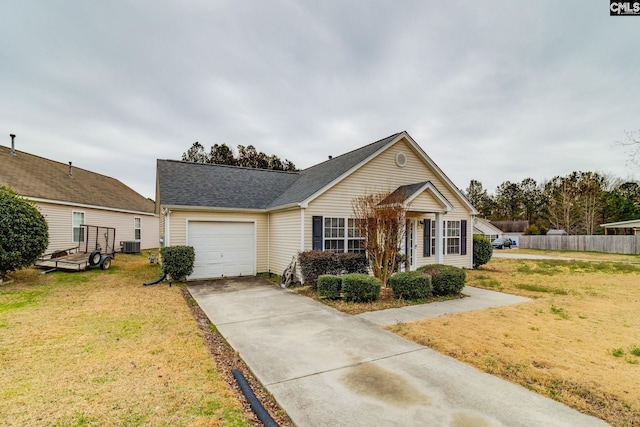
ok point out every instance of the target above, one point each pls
(227, 359)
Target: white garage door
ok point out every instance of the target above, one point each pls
(223, 249)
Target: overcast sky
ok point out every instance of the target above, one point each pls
(491, 90)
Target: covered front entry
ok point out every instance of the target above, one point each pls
(223, 249)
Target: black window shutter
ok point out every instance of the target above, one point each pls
(463, 237)
(317, 233)
(426, 238)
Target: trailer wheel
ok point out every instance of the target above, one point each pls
(94, 258)
(106, 263)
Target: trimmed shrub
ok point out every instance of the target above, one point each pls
(329, 286)
(359, 287)
(24, 233)
(177, 261)
(446, 279)
(482, 250)
(316, 263)
(352, 263)
(410, 285)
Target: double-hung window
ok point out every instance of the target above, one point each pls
(77, 229)
(341, 234)
(452, 237)
(451, 232)
(136, 228)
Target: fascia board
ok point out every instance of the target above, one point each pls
(305, 202)
(448, 207)
(440, 173)
(82, 205)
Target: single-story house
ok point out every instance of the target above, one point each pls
(486, 228)
(69, 197)
(512, 229)
(622, 228)
(242, 221)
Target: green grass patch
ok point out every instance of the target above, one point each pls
(12, 300)
(540, 288)
(635, 350)
(560, 312)
(617, 352)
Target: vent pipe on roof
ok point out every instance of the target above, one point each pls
(330, 157)
(13, 144)
(70, 170)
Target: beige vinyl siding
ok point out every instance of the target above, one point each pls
(382, 174)
(284, 238)
(59, 219)
(465, 261)
(426, 202)
(178, 229)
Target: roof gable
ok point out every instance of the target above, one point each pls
(39, 178)
(408, 193)
(210, 185)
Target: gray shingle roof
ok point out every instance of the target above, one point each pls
(37, 177)
(316, 177)
(208, 185)
(405, 192)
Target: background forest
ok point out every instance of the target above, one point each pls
(577, 203)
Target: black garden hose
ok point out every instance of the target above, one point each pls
(254, 403)
(153, 282)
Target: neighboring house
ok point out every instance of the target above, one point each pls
(512, 229)
(555, 232)
(69, 197)
(241, 221)
(486, 228)
(622, 228)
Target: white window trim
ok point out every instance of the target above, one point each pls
(73, 226)
(138, 228)
(446, 237)
(345, 238)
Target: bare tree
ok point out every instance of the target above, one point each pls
(381, 219)
(632, 144)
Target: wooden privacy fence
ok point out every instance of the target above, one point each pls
(609, 244)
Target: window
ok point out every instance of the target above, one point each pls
(451, 237)
(78, 230)
(342, 235)
(136, 228)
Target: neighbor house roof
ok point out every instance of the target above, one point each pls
(622, 224)
(511, 226)
(38, 178)
(209, 185)
(487, 225)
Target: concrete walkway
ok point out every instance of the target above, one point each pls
(476, 299)
(327, 368)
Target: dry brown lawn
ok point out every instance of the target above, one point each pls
(577, 342)
(98, 348)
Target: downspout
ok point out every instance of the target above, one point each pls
(269, 243)
(167, 226)
(302, 230)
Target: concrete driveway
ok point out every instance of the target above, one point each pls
(327, 368)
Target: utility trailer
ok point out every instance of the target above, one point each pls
(97, 248)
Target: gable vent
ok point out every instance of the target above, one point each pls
(401, 160)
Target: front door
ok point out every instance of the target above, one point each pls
(410, 245)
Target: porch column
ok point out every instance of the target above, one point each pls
(439, 240)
